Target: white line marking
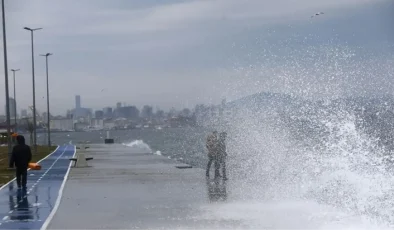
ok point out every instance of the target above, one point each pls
(59, 197)
(6, 217)
(9, 182)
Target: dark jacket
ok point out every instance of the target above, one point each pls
(211, 144)
(222, 147)
(21, 153)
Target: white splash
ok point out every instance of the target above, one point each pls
(276, 182)
(139, 146)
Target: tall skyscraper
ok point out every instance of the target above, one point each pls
(77, 101)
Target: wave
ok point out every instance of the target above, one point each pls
(139, 146)
(340, 177)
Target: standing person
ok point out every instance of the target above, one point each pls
(21, 157)
(212, 142)
(222, 153)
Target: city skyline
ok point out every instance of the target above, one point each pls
(79, 105)
(181, 53)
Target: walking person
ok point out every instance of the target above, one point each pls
(212, 144)
(21, 157)
(222, 153)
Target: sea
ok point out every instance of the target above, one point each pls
(169, 142)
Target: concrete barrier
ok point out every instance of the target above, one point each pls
(81, 161)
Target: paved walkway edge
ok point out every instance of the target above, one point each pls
(59, 197)
(5, 185)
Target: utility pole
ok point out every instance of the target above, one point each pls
(34, 87)
(15, 123)
(7, 97)
(48, 114)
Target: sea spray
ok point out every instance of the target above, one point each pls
(340, 166)
(139, 146)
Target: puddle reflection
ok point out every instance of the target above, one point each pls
(217, 190)
(19, 205)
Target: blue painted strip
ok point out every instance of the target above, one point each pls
(29, 210)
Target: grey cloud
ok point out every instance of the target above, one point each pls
(178, 51)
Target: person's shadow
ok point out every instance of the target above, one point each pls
(19, 206)
(217, 190)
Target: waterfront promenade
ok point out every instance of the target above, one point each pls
(130, 190)
(127, 189)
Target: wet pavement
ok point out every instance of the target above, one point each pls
(29, 209)
(127, 189)
(130, 190)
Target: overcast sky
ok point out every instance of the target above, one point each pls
(180, 52)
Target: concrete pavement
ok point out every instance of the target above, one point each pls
(126, 190)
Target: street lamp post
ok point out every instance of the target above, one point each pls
(7, 100)
(48, 114)
(13, 73)
(34, 89)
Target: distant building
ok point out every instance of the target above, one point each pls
(129, 112)
(97, 123)
(121, 122)
(118, 105)
(62, 124)
(79, 112)
(147, 112)
(99, 114)
(82, 113)
(109, 124)
(24, 113)
(69, 114)
(107, 112)
(160, 115)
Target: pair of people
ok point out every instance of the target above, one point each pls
(21, 157)
(217, 153)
